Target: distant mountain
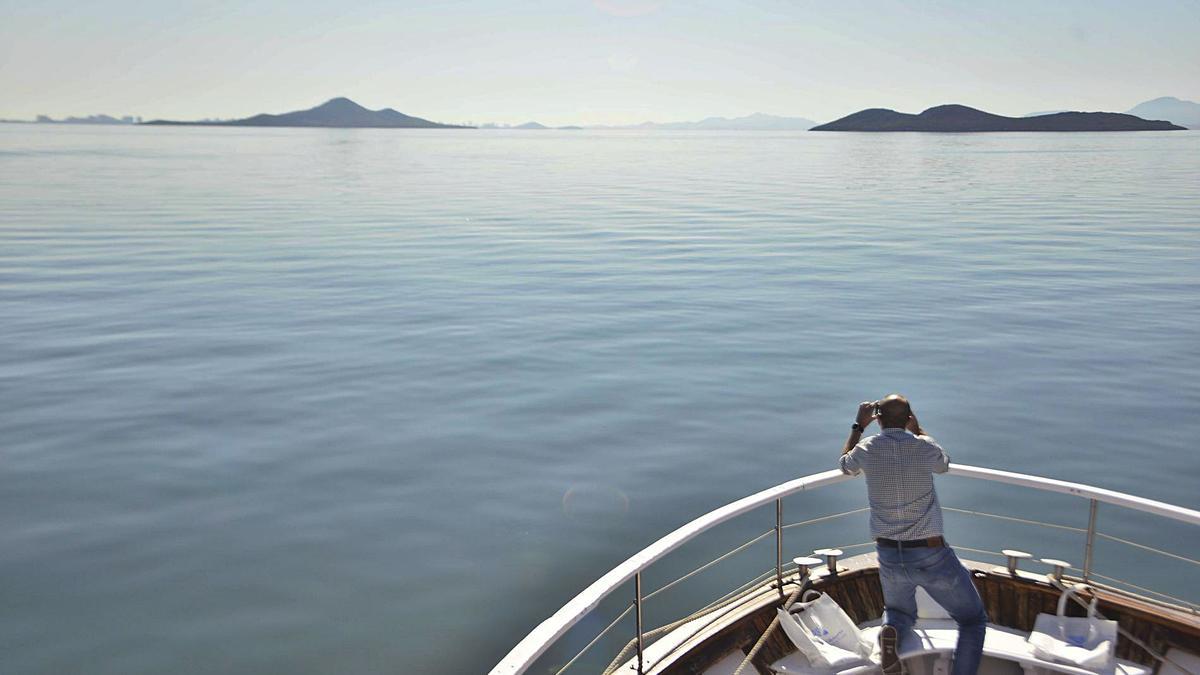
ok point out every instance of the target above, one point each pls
(90, 119)
(1046, 112)
(960, 118)
(1185, 113)
(755, 122)
(526, 126)
(336, 112)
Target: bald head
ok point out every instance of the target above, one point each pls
(894, 411)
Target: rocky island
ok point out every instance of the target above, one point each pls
(960, 118)
(334, 113)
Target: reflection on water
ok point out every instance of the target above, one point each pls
(595, 503)
(313, 401)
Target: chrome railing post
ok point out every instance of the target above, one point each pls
(1089, 547)
(637, 603)
(779, 545)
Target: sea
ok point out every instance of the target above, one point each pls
(314, 401)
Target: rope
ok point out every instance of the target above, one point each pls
(1186, 604)
(714, 607)
(824, 518)
(1131, 637)
(740, 590)
(1102, 535)
(1149, 548)
(736, 595)
(849, 546)
(615, 663)
(717, 615)
(700, 612)
(596, 639)
(1191, 606)
(956, 547)
(746, 589)
(1015, 519)
(770, 629)
(710, 563)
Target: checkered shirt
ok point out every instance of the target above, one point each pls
(900, 468)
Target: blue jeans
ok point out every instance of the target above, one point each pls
(944, 578)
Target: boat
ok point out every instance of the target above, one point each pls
(740, 630)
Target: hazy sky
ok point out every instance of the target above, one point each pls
(592, 61)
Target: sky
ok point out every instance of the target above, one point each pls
(592, 61)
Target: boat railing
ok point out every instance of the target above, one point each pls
(538, 641)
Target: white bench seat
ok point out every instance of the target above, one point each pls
(939, 636)
(796, 663)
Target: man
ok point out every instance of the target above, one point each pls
(906, 523)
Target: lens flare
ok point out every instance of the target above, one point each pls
(595, 503)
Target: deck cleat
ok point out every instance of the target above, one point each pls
(831, 556)
(803, 563)
(1014, 557)
(785, 640)
(1059, 566)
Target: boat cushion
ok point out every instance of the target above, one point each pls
(940, 635)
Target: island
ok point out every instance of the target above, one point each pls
(754, 122)
(90, 119)
(961, 118)
(1178, 111)
(334, 113)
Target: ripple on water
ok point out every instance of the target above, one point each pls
(316, 401)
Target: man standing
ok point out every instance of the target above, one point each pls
(906, 523)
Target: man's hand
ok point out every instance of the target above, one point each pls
(913, 425)
(866, 413)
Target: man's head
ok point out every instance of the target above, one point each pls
(894, 411)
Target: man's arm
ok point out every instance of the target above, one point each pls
(849, 461)
(866, 413)
(938, 457)
(913, 425)
(939, 460)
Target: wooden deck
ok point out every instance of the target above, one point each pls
(1011, 602)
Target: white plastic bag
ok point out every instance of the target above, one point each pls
(1086, 642)
(823, 633)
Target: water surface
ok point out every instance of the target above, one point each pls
(371, 401)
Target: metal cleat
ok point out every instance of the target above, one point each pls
(805, 562)
(1014, 557)
(831, 556)
(1059, 566)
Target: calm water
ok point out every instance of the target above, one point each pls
(339, 401)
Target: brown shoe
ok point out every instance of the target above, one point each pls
(889, 649)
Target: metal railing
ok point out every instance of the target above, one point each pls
(528, 650)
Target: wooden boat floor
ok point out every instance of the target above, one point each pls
(1012, 602)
